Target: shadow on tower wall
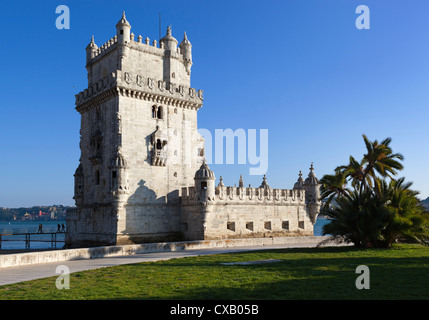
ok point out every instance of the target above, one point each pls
(149, 218)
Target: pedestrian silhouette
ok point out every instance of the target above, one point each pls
(40, 228)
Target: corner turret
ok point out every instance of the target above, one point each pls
(170, 43)
(123, 29)
(119, 185)
(186, 50)
(91, 50)
(299, 184)
(312, 194)
(205, 183)
(79, 185)
(264, 183)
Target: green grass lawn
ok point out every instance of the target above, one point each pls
(320, 273)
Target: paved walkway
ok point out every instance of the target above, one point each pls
(37, 271)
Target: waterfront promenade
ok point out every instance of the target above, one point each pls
(32, 271)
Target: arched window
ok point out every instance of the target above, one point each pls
(158, 144)
(159, 112)
(153, 111)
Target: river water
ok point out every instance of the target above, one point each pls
(18, 241)
(14, 227)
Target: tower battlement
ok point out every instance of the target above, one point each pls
(140, 87)
(247, 195)
(153, 48)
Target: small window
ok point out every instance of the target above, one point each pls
(121, 32)
(249, 226)
(158, 144)
(159, 114)
(267, 225)
(301, 224)
(173, 75)
(230, 226)
(153, 111)
(204, 185)
(114, 174)
(97, 177)
(285, 225)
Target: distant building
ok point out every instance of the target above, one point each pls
(142, 176)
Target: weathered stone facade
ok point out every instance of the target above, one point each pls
(142, 175)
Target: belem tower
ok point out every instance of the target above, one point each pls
(142, 175)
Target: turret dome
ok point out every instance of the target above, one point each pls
(311, 177)
(300, 183)
(123, 21)
(168, 36)
(185, 41)
(204, 172)
(264, 183)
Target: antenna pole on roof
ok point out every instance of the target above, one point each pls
(159, 25)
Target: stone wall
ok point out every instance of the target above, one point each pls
(245, 212)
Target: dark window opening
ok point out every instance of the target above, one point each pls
(158, 144)
(204, 185)
(285, 225)
(230, 226)
(97, 177)
(122, 32)
(114, 174)
(159, 112)
(267, 225)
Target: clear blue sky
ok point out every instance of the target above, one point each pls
(299, 68)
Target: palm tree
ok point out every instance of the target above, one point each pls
(407, 219)
(358, 219)
(380, 159)
(354, 171)
(333, 186)
(374, 212)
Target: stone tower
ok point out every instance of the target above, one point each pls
(138, 139)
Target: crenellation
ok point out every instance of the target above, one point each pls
(104, 49)
(249, 195)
